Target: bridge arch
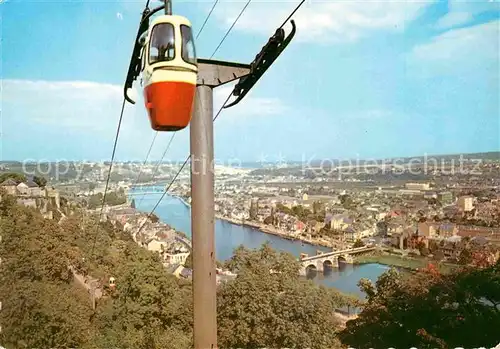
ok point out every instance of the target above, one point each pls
(311, 266)
(342, 259)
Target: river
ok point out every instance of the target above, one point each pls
(228, 236)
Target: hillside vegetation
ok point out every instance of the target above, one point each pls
(43, 307)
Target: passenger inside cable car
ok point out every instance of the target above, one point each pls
(162, 47)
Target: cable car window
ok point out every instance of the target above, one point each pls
(143, 58)
(188, 51)
(162, 43)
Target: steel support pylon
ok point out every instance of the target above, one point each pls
(210, 75)
(202, 220)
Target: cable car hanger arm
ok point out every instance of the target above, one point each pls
(135, 60)
(266, 57)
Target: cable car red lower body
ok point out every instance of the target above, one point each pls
(169, 98)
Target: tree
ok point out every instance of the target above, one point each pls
(132, 204)
(317, 207)
(41, 181)
(346, 201)
(465, 257)
(424, 251)
(268, 294)
(189, 261)
(154, 218)
(43, 308)
(429, 310)
(358, 243)
(17, 177)
(254, 210)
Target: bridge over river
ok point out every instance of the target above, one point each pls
(331, 259)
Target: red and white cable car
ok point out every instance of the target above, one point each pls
(165, 56)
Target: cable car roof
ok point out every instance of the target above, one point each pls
(174, 19)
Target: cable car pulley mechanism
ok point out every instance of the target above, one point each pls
(266, 57)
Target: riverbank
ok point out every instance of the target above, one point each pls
(262, 227)
(402, 262)
(273, 231)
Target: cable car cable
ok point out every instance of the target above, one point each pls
(158, 163)
(293, 12)
(109, 174)
(145, 160)
(230, 28)
(206, 19)
(179, 171)
(218, 113)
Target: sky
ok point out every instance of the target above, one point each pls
(361, 79)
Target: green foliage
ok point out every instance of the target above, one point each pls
(424, 251)
(358, 243)
(40, 306)
(44, 308)
(465, 257)
(277, 309)
(113, 198)
(303, 214)
(41, 181)
(254, 209)
(189, 261)
(429, 310)
(282, 208)
(269, 220)
(154, 218)
(18, 177)
(346, 201)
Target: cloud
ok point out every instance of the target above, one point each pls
(459, 51)
(52, 117)
(463, 12)
(250, 106)
(87, 106)
(324, 22)
(453, 19)
(119, 16)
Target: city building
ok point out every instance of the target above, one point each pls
(417, 186)
(466, 203)
(445, 197)
(176, 255)
(10, 186)
(427, 229)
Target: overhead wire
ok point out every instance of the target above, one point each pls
(206, 19)
(158, 164)
(179, 171)
(109, 172)
(215, 117)
(291, 14)
(200, 31)
(173, 135)
(145, 160)
(230, 28)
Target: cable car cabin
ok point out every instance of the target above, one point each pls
(169, 72)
